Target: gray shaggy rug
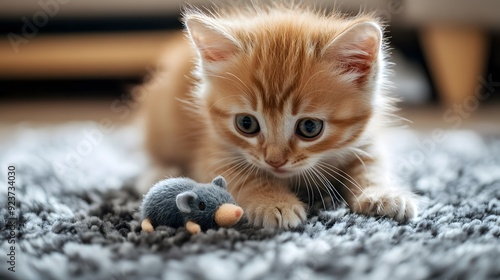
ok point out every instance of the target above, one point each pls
(76, 217)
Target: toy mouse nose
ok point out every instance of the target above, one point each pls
(228, 215)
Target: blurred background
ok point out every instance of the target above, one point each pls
(66, 60)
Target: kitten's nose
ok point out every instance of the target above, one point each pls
(276, 164)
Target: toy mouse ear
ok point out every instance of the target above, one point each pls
(182, 201)
(220, 181)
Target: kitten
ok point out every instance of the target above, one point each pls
(275, 98)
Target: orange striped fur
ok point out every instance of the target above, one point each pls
(281, 65)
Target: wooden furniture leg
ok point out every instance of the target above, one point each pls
(456, 57)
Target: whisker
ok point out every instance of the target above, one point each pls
(232, 159)
(236, 77)
(330, 187)
(309, 183)
(325, 183)
(222, 152)
(226, 162)
(239, 169)
(296, 183)
(218, 100)
(309, 171)
(343, 184)
(231, 166)
(304, 179)
(242, 90)
(362, 152)
(336, 170)
(360, 160)
(235, 168)
(237, 183)
(354, 183)
(249, 173)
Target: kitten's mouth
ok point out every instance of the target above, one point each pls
(281, 172)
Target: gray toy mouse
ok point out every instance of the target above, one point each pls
(178, 202)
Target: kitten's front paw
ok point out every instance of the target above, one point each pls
(282, 214)
(398, 204)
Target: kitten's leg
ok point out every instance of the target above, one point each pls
(371, 192)
(269, 204)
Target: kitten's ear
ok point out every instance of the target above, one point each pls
(212, 41)
(356, 50)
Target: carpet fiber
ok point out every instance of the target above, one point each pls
(77, 217)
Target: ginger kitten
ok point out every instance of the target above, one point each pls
(276, 99)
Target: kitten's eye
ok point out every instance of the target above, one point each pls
(202, 206)
(309, 128)
(247, 124)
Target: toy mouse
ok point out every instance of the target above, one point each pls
(178, 202)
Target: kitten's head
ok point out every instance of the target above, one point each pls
(284, 87)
